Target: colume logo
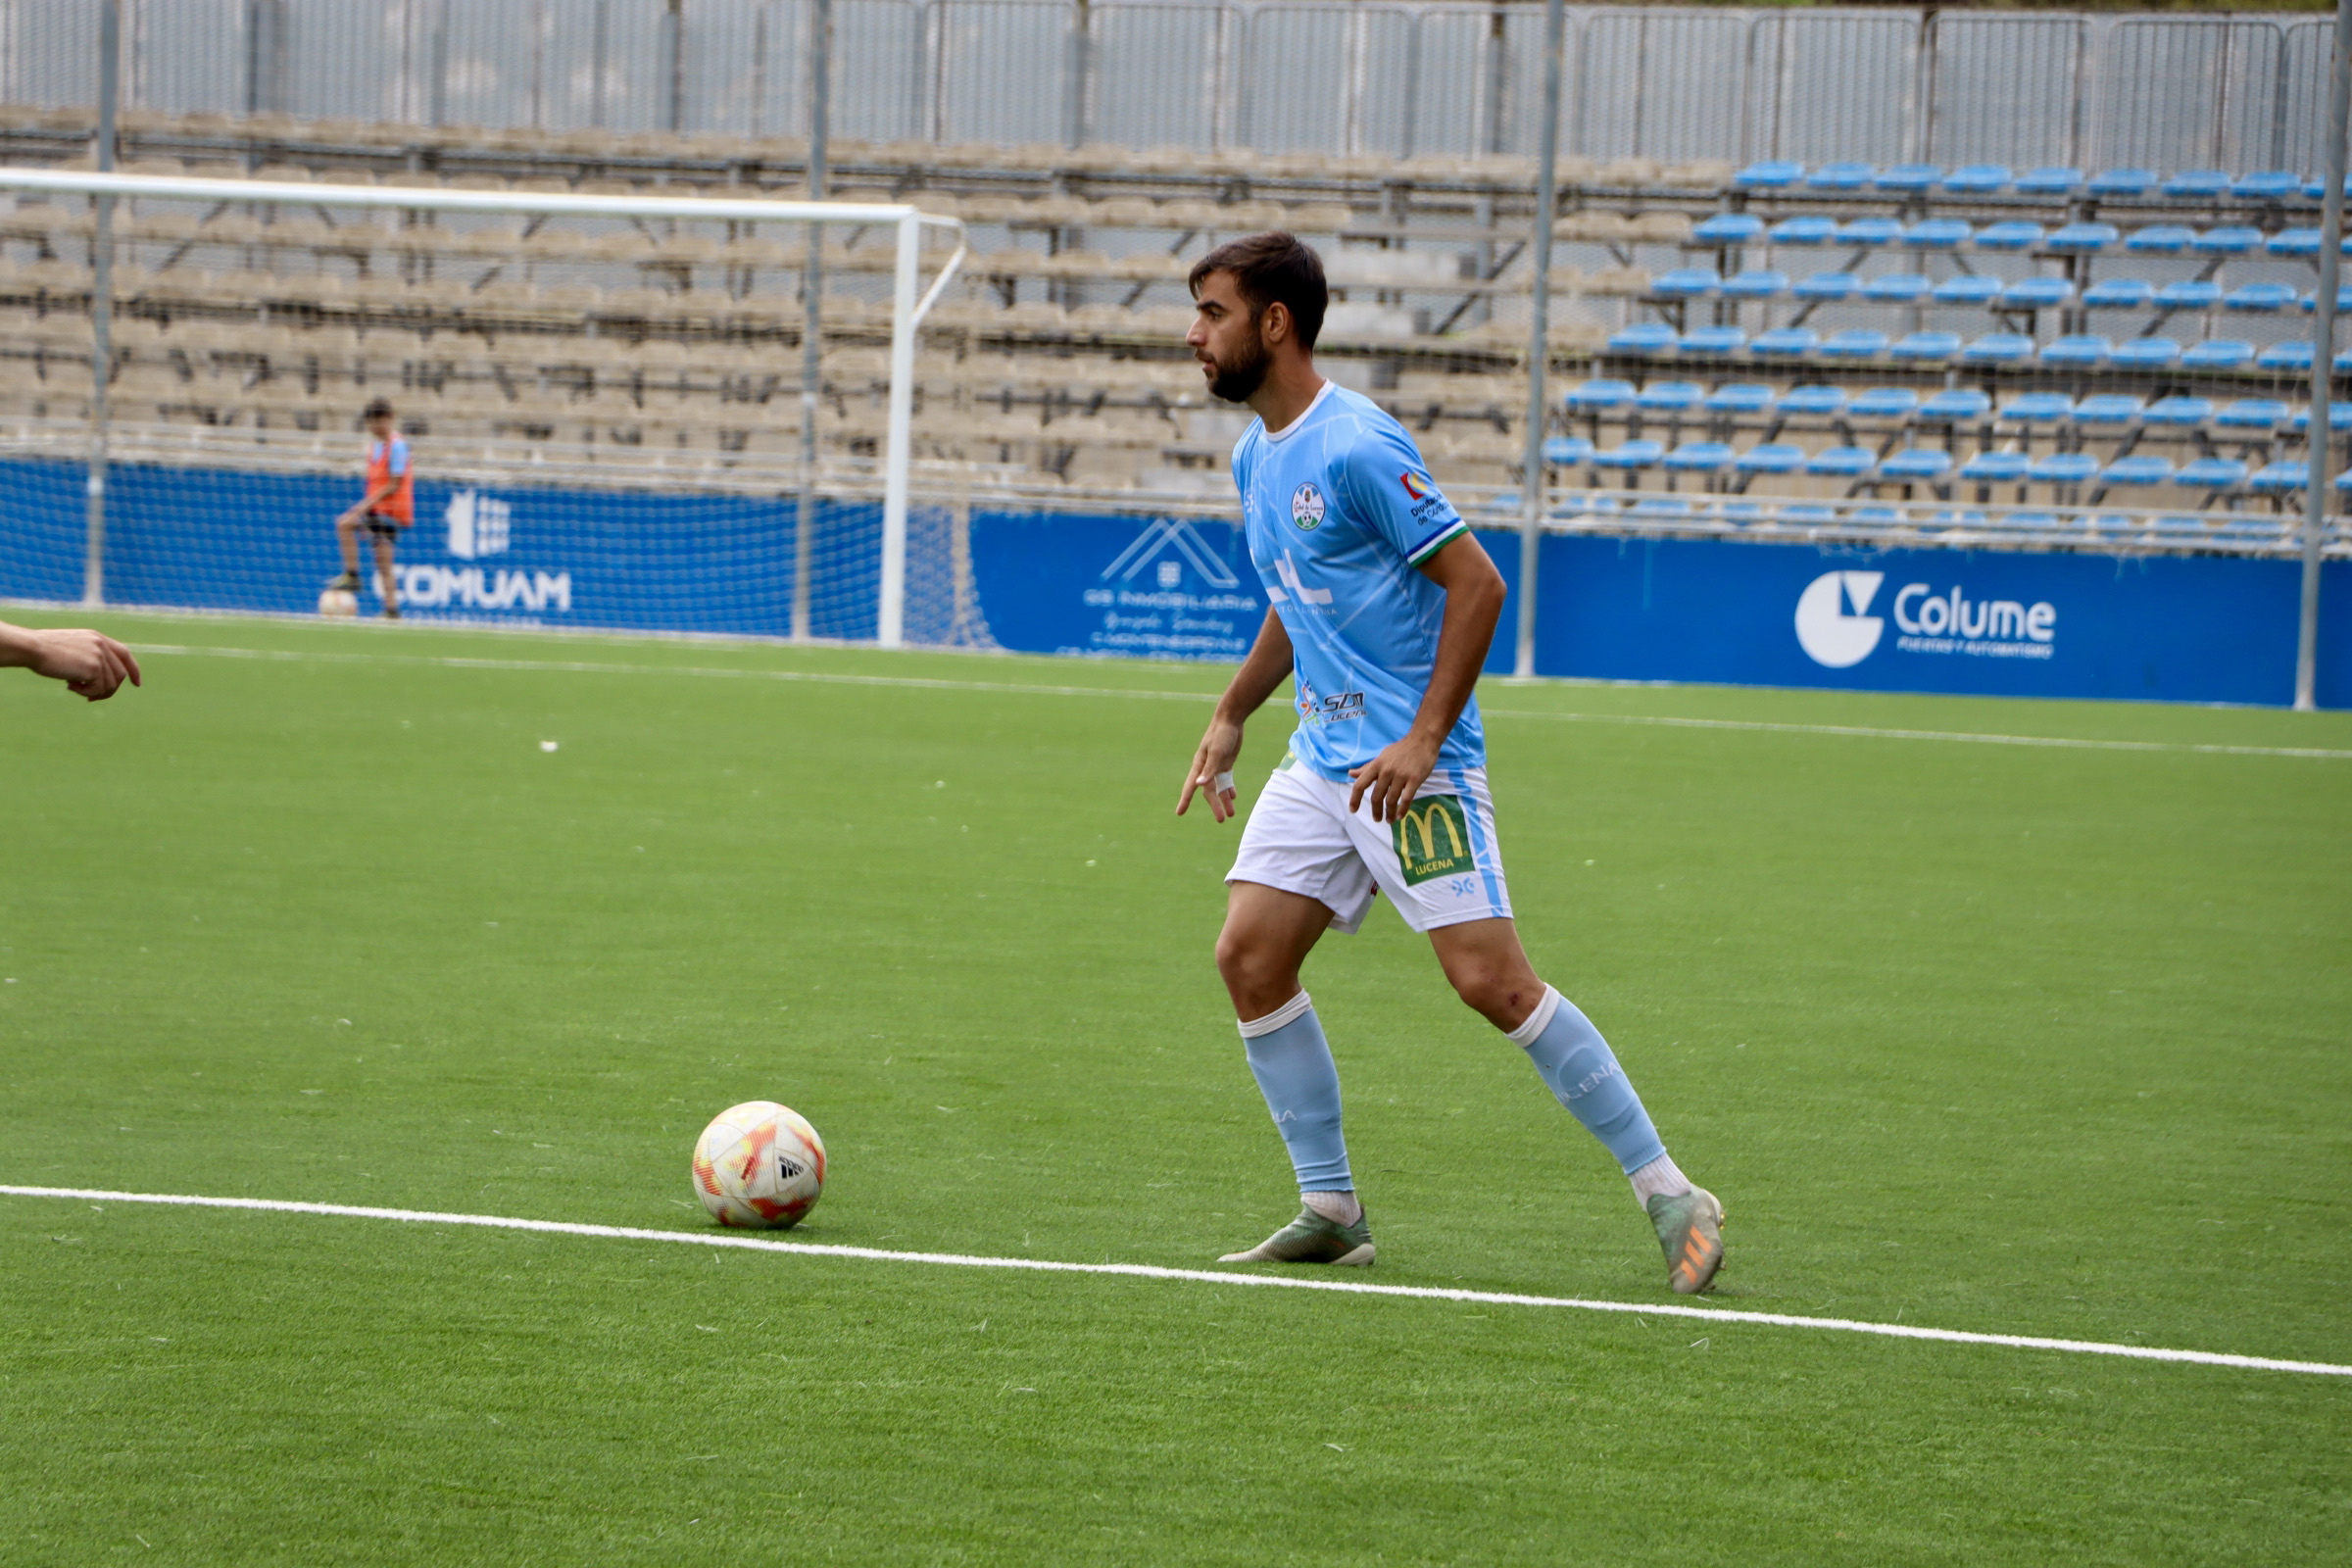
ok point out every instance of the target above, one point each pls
(1831, 633)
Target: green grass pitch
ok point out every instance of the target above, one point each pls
(1995, 1038)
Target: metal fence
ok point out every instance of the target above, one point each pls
(2164, 92)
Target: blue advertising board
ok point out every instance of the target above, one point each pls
(2208, 630)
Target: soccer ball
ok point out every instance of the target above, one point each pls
(758, 1165)
(338, 603)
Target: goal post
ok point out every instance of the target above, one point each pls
(910, 296)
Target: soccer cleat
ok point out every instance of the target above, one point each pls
(391, 612)
(346, 582)
(1691, 1233)
(1312, 1239)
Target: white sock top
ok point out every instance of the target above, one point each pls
(1537, 1021)
(1289, 1011)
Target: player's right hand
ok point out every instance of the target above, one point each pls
(1211, 772)
(91, 663)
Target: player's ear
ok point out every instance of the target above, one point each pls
(1274, 324)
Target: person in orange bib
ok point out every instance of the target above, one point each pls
(389, 506)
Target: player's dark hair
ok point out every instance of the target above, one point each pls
(378, 409)
(1270, 269)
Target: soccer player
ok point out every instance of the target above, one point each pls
(91, 663)
(1381, 606)
(389, 506)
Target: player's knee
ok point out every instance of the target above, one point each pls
(1253, 973)
(1504, 995)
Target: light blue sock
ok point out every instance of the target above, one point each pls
(1292, 1062)
(1583, 1072)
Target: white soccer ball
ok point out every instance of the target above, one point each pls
(758, 1165)
(338, 603)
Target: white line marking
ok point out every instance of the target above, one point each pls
(1145, 1271)
(930, 683)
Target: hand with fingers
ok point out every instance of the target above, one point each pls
(1392, 778)
(1211, 772)
(93, 665)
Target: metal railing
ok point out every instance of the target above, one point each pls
(2166, 92)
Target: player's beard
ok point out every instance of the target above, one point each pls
(1235, 381)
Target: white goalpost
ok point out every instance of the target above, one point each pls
(656, 236)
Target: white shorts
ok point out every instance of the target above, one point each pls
(1440, 863)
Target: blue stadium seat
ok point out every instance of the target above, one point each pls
(2161, 239)
(2145, 354)
(1772, 459)
(2277, 357)
(1785, 343)
(1740, 513)
(2037, 407)
(2283, 478)
(1954, 404)
(2301, 243)
(2109, 408)
(1807, 511)
(1910, 179)
(2343, 300)
(2140, 468)
(2188, 294)
(1917, 465)
(1869, 231)
(2014, 234)
(1927, 347)
(2086, 238)
(2266, 185)
(1876, 514)
(1643, 337)
(2211, 474)
(1841, 462)
(2037, 293)
(1669, 396)
(2250, 413)
(1826, 286)
(1729, 228)
(1896, 288)
(1770, 174)
(1713, 342)
(2180, 412)
(1996, 467)
(2197, 184)
(2120, 294)
(1977, 180)
(2318, 191)
(1937, 235)
(1755, 283)
(1884, 402)
(2218, 353)
(1740, 396)
(2261, 299)
(1839, 176)
(1659, 506)
(2340, 416)
(2076, 351)
(1685, 283)
(1599, 396)
(1806, 228)
(1853, 343)
(2053, 181)
(2063, 467)
(2120, 183)
(1630, 456)
(1968, 288)
(1813, 401)
(2234, 239)
(1699, 456)
(1998, 348)
(1566, 451)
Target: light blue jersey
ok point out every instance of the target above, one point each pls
(1339, 513)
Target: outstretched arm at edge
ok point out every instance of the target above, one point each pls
(90, 663)
(1211, 772)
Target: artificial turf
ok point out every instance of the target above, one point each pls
(2013, 1039)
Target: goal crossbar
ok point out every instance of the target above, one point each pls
(910, 301)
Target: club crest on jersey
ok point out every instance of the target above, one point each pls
(1417, 485)
(1306, 507)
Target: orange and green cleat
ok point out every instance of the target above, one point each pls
(1690, 1231)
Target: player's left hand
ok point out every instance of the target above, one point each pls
(1392, 779)
(91, 663)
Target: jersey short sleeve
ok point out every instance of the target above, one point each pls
(1393, 494)
(396, 458)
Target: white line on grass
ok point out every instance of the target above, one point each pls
(1145, 1271)
(931, 683)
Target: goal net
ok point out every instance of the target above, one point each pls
(602, 394)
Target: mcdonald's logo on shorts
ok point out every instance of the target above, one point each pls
(1433, 839)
